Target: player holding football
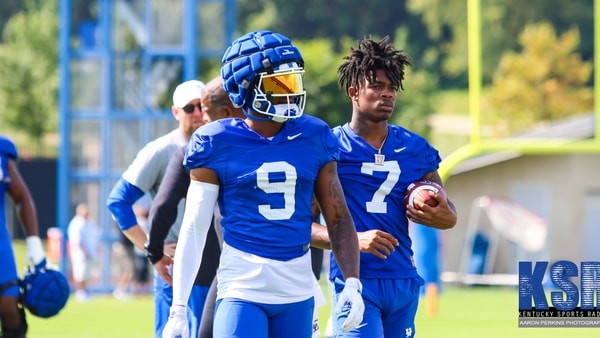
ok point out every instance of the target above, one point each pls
(378, 161)
(12, 314)
(257, 171)
(143, 176)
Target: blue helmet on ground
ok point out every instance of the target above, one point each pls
(45, 290)
(263, 72)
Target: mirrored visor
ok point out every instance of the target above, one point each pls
(287, 83)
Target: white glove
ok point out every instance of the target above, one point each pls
(177, 325)
(35, 250)
(351, 295)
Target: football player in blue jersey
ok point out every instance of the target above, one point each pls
(12, 314)
(263, 172)
(144, 175)
(378, 161)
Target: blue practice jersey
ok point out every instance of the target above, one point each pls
(266, 184)
(8, 268)
(8, 151)
(375, 193)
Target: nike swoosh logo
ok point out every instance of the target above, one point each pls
(399, 149)
(291, 137)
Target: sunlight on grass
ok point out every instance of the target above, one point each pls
(102, 316)
(464, 312)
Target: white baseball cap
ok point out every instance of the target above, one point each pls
(186, 92)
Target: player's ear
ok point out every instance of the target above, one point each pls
(352, 93)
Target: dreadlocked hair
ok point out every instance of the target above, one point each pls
(369, 57)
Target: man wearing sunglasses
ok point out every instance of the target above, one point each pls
(143, 176)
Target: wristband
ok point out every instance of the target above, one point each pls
(153, 254)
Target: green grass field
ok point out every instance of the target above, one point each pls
(464, 312)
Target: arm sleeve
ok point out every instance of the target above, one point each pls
(163, 211)
(199, 208)
(120, 203)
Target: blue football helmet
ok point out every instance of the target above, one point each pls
(45, 290)
(263, 72)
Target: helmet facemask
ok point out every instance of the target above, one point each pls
(280, 94)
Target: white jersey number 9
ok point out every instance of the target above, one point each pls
(286, 187)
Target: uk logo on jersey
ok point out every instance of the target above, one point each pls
(409, 332)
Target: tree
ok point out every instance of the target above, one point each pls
(332, 20)
(324, 97)
(414, 105)
(29, 71)
(7, 9)
(545, 82)
(446, 29)
(501, 21)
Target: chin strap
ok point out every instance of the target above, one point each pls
(249, 114)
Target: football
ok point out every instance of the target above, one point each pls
(417, 193)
